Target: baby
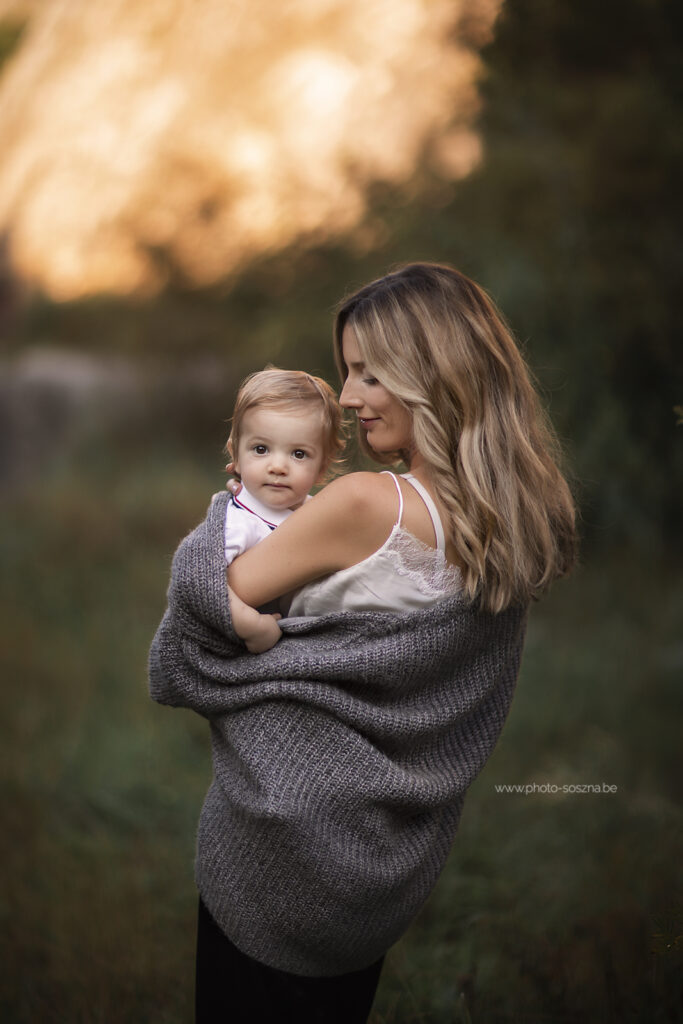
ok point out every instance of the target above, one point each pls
(286, 434)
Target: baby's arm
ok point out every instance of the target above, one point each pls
(259, 632)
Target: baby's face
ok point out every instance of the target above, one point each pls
(280, 454)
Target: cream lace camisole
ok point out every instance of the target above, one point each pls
(403, 575)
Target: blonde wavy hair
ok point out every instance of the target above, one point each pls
(436, 341)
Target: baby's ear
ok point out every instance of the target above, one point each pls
(232, 465)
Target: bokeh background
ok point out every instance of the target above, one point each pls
(186, 189)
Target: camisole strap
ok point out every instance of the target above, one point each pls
(431, 508)
(387, 472)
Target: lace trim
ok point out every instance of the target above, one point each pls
(424, 566)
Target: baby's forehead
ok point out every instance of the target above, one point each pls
(286, 417)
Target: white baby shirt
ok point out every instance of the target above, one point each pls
(247, 521)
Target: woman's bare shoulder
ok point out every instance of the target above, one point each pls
(360, 488)
(362, 501)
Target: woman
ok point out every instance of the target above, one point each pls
(343, 755)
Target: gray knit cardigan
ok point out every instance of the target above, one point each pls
(341, 758)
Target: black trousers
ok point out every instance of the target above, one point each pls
(231, 988)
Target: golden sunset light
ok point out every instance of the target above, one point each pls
(217, 130)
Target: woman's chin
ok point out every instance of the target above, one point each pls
(381, 446)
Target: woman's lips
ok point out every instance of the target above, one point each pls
(368, 422)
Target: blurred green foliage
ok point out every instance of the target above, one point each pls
(11, 32)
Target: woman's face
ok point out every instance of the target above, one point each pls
(387, 423)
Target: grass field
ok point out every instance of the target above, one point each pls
(554, 907)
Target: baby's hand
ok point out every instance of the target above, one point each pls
(259, 632)
(265, 635)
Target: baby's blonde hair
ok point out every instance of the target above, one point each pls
(287, 389)
(436, 341)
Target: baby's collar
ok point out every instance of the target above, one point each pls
(271, 516)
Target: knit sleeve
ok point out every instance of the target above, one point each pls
(197, 616)
(174, 680)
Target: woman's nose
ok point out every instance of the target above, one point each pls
(349, 397)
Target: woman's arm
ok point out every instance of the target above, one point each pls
(340, 526)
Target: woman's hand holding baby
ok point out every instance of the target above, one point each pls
(232, 484)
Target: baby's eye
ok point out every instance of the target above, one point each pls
(299, 454)
(260, 449)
